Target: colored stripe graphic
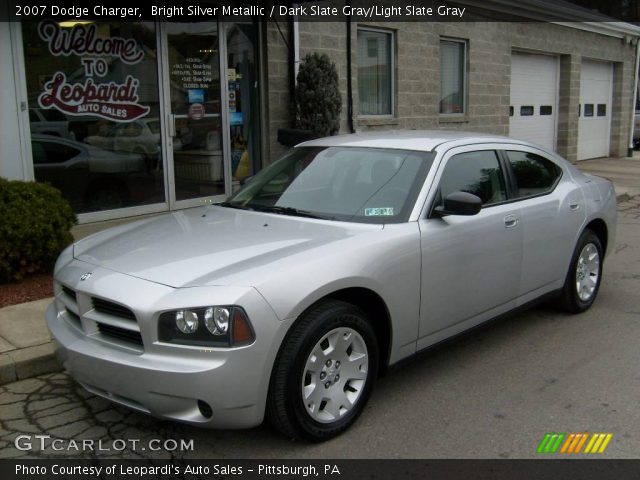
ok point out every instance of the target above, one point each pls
(550, 443)
(574, 442)
(598, 443)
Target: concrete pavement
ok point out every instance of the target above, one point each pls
(25, 347)
(623, 172)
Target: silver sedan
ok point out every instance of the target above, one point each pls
(345, 256)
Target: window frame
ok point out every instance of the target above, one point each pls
(511, 176)
(392, 50)
(505, 178)
(426, 211)
(465, 77)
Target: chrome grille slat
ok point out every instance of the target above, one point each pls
(111, 308)
(70, 293)
(128, 336)
(111, 320)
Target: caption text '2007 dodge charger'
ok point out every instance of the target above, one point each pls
(345, 256)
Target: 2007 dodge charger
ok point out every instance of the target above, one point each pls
(345, 256)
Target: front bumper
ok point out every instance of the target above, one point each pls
(212, 387)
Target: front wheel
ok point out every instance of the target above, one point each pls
(585, 273)
(324, 372)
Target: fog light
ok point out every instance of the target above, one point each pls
(216, 319)
(186, 321)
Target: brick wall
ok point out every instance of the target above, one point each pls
(490, 45)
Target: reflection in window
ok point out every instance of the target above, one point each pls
(526, 110)
(588, 109)
(534, 174)
(375, 72)
(452, 76)
(478, 173)
(99, 152)
(602, 109)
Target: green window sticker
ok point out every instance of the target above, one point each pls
(378, 212)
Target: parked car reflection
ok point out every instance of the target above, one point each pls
(91, 178)
(50, 122)
(141, 137)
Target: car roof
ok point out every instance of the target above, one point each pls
(421, 140)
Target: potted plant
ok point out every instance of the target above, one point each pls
(317, 101)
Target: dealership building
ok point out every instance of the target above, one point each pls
(132, 118)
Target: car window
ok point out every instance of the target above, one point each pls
(478, 173)
(534, 175)
(51, 152)
(130, 130)
(154, 126)
(367, 185)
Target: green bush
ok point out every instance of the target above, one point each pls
(317, 97)
(34, 228)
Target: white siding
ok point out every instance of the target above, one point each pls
(594, 132)
(534, 83)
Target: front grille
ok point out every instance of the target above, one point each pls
(110, 308)
(69, 292)
(75, 319)
(121, 334)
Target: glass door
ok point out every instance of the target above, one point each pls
(196, 120)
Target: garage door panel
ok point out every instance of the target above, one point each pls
(534, 83)
(596, 83)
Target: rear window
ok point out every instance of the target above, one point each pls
(534, 175)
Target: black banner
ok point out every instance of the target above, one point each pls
(325, 469)
(327, 10)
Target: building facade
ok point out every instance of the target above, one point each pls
(131, 118)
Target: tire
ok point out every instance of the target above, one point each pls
(320, 381)
(578, 295)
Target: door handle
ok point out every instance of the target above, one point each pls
(171, 125)
(574, 206)
(511, 221)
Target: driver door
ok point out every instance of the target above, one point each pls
(471, 265)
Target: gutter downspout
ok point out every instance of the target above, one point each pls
(349, 79)
(635, 99)
(296, 49)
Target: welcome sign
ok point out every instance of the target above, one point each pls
(109, 100)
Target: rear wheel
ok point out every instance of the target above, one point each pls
(324, 372)
(585, 273)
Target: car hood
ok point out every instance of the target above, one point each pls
(209, 245)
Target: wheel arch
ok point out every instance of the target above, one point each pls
(599, 227)
(373, 305)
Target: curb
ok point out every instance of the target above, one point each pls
(28, 362)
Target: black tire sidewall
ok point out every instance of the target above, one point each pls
(323, 321)
(572, 299)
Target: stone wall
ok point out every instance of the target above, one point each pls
(490, 44)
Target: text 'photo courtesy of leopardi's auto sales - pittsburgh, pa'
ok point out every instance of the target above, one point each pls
(260, 219)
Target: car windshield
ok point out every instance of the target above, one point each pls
(366, 185)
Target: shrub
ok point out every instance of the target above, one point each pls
(34, 228)
(317, 97)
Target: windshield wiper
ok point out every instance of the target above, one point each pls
(233, 205)
(288, 211)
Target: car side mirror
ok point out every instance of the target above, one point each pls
(459, 203)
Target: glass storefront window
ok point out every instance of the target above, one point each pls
(94, 112)
(244, 99)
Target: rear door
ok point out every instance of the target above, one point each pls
(551, 211)
(471, 265)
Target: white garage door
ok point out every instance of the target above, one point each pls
(534, 98)
(594, 124)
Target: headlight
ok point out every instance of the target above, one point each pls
(215, 326)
